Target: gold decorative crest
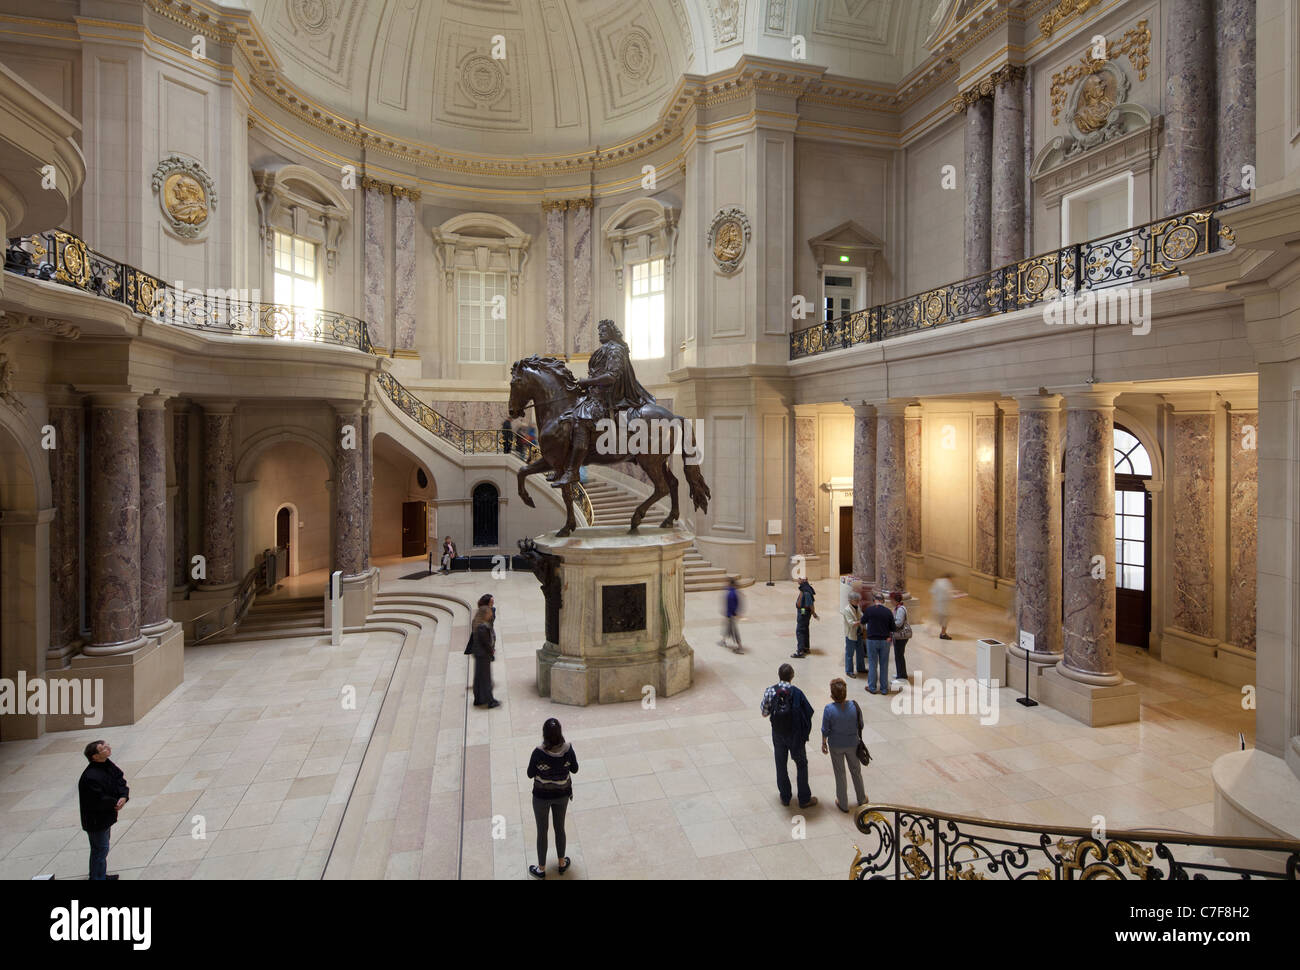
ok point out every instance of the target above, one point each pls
(728, 238)
(185, 194)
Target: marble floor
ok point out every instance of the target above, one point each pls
(255, 741)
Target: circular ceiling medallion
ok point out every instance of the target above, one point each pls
(728, 238)
(312, 16)
(482, 78)
(635, 53)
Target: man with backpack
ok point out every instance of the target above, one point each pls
(804, 611)
(790, 714)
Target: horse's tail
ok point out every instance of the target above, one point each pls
(700, 493)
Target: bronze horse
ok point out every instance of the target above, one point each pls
(552, 389)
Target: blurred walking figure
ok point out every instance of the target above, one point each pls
(506, 435)
(549, 767)
(731, 606)
(942, 594)
(841, 731)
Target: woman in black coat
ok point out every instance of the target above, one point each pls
(483, 646)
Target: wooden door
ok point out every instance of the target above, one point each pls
(284, 537)
(415, 529)
(846, 540)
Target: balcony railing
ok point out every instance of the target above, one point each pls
(911, 843)
(1155, 250)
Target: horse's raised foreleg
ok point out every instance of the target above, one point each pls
(570, 522)
(540, 465)
(652, 465)
(672, 494)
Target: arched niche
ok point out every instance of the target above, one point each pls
(300, 201)
(638, 230)
(481, 241)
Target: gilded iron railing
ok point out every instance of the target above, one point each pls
(1152, 251)
(912, 843)
(64, 258)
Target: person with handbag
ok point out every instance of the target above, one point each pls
(902, 633)
(550, 766)
(483, 645)
(842, 740)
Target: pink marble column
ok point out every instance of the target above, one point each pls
(1007, 237)
(65, 531)
(367, 487)
(583, 336)
(891, 497)
(181, 507)
(986, 495)
(154, 586)
(979, 185)
(1038, 526)
(556, 261)
(113, 533)
(1008, 461)
(805, 485)
(914, 485)
(349, 493)
(219, 494)
(1192, 473)
(1189, 154)
(1089, 558)
(1243, 512)
(864, 492)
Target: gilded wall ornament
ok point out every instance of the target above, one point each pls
(1064, 10)
(1136, 44)
(728, 238)
(185, 194)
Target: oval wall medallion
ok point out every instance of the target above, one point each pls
(186, 195)
(728, 238)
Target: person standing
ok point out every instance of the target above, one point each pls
(790, 714)
(483, 643)
(841, 729)
(853, 645)
(448, 554)
(941, 597)
(731, 606)
(902, 633)
(102, 791)
(550, 766)
(879, 624)
(506, 434)
(804, 611)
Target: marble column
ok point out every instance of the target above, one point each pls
(1191, 469)
(375, 268)
(583, 337)
(805, 484)
(1008, 461)
(181, 508)
(65, 531)
(864, 492)
(891, 497)
(349, 510)
(1027, 162)
(1038, 529)
(1189, 105)
(1008, 191)
(367, 487)
(979, 184)
(219, 495)
(1243, 511)
(1234, 29)
(113, 533)
(913, 481)
(404, 280)
(556, 261)
(155, 589)
(1088, 589)
(986, 495)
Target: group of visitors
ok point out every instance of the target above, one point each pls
(516, 439)
(867, 637)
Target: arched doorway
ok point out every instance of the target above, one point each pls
(1132, 540)
(486, 509)
(286, 537)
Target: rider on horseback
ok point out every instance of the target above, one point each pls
(611, 386)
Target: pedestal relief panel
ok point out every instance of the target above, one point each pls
(1192, 561)
(805, 485)
(914, 485)
(1243, 491)
(404, 281)
(986, 494)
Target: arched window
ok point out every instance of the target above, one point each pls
(1130, 457)
(485, 502)
(1132, 539)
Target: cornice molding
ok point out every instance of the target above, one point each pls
(984, 88)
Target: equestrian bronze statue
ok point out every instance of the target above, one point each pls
(587, 421)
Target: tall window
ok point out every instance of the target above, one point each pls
(1132, 465)
(296, 279)
(481, 300)
(645, 310)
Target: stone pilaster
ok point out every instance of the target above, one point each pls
(1008, 177)
(349, 511)
(979, 184)
(181, 508)
(66, 418)
(1008, 461)
(1189, 105)
(1234, 30)
(1038, 531)
(219, 495)
(154, 586)
(556, 261)
(583, 338)
(1089, 565)
(375, 267)
(805, 484)
(913, 483)
(404, 279)
(113, 533)
(1191, 470)
(986, 494)
(891, 497)
(864, 492)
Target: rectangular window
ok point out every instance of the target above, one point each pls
(296, 281)
(481, 316)
(645, 310)
(1099, 210)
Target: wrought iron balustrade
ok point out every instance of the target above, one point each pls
(1152, 251)
(912, 843)
(266, 571)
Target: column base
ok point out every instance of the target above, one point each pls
(215, 591)
(1094, 704)
(56, 658)
(1038, 662)
(114, 649)
(359, 594)
(156, 631)
(130, 685)
(1256, 796)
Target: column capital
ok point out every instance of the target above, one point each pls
(123, 400)
(345, 409)
(181, 405)
(892, 409)
(153, 402)
(1008, 405)
(1038, 401)
(1202, 402)
(913, 412)
(219, 407)
(1089, 398)
(864, 410)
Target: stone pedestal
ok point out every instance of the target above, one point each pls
(620, 617)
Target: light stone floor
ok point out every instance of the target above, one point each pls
(255, 741)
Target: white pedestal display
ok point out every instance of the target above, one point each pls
(991, 662)
(620, 618)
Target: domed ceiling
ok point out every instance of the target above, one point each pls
(530, 77)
